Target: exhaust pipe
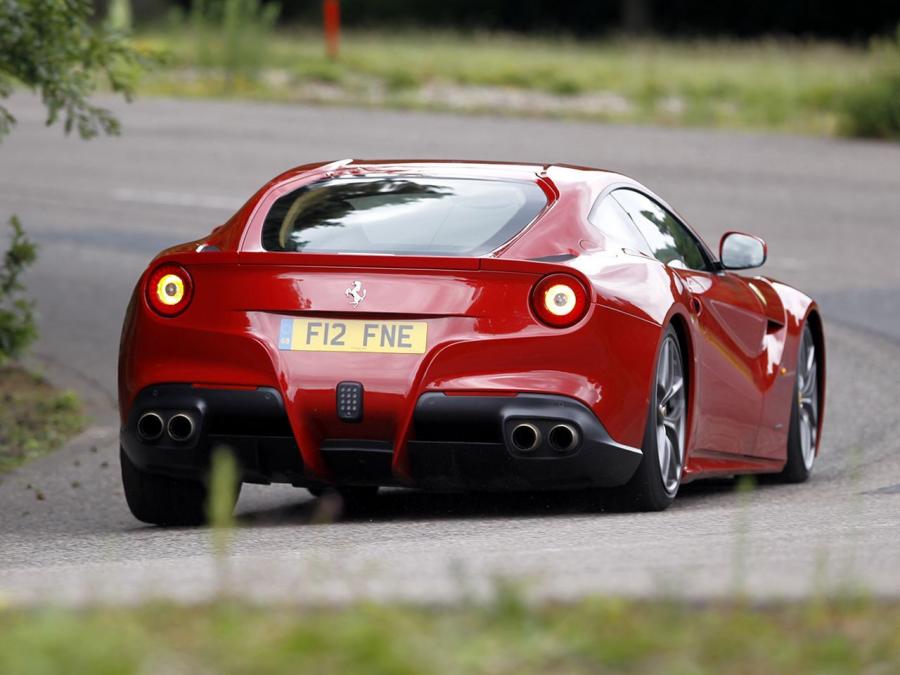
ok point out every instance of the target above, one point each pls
(564, 438)
(181, 427)
(150, 426)
(525, 437)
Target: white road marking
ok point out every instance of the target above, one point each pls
(167, 198)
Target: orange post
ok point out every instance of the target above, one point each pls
(331, 13)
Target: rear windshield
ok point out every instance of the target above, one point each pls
(402, 216)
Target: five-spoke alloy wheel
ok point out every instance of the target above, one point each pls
(803, 434)
(670, 414)
(656, 481)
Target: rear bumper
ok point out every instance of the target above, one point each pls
(251, 422)
(457, 442)
(467, 442)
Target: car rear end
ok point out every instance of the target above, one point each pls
(367, 332)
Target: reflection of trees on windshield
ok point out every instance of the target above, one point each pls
(329, 205)
(668, 239)
(682, 246)
(666, 253)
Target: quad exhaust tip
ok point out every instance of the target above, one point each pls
(180, 427)
(563, 438)
(525, 437)
(150, 426)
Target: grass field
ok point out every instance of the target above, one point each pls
(792, 86)
(35, 418)
(593, 636)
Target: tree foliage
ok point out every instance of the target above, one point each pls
(592, 18)
(55, 49)
(17, 325)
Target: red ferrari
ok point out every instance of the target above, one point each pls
(463, 326)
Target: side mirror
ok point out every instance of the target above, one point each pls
(739, 251)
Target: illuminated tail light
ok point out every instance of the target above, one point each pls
(170, 289)
(559, 300)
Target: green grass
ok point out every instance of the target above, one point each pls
(794, 86)
(506, 637)
(872, 106)
(35, 418)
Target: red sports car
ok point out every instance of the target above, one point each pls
(463, 326)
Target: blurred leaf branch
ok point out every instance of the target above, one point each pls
(223, 493)
(223, 490)
(54, 48)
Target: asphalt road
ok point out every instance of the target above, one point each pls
(829, 209)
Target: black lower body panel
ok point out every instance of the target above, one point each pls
(471, 442)
(250, 422)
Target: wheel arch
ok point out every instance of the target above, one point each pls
(814, 321)
(680, 323)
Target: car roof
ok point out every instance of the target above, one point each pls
(560, 175)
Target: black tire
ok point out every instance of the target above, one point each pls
(797, 469)
(646, 491)
(161, 500)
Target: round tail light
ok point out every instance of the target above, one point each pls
(559, 300)
(170, 289)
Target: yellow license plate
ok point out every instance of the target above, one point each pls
(331, 335)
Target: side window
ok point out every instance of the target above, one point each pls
(669, 241)
(615, 225)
